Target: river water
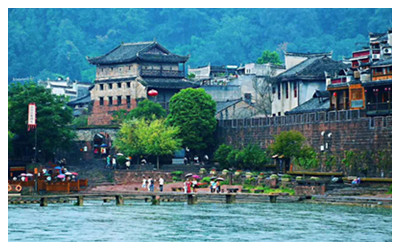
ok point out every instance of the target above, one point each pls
(137, 221)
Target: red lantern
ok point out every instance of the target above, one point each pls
(334, 94)
(152, 92)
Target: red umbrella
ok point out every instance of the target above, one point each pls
(74, 173)
(196, 176)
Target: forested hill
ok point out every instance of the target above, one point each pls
(42, 42)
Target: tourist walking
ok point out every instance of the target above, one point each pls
(151, 185)
(194, 185)
(218, 186)
(144, 182)
(161, 183)
(188, 185)
(128, 163)
(108, 161)
(212, 183)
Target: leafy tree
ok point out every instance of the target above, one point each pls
(53, 120)
(350, 161)
(193, 111)
(10, 138)
(253, 157)
(147, 137)
(289, 144)
(307, 159)
(221, 154)
(119, 116)
(269, 57)
(146, 109)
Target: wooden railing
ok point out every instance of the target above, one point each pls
(43, 185)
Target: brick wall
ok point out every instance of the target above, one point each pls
(102, 114)
(350, 130)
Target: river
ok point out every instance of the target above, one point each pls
(137, 221)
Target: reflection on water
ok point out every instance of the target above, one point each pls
(138, 221)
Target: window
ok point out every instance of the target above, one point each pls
(110, 86)
(101, 86)
(279, 91)
(287, 90)
(295, 89)
(119, 100)
(128, 85)
(128, 100)
(110, 100)
(273, 89)
(119, 85)
(101, 101)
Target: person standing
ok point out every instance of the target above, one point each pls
(194, 185)
(212, 186)
(161, 183)
(218, 186)
(114, 162)
(128, 163)
(144, 182)
(188, 186)
(151, 185)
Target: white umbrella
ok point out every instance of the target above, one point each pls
(68, 173)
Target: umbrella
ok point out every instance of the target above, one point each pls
(213, 178)
(103, 145)
(196, 176)
(220, 179)
(29, 174)
(189, 175)
(74, 173)
(68, 173)
(47, 174)
(58, 167)
(23, 174)
(60, 176)
(120, 154)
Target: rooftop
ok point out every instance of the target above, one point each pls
(142, 51)
(319, 102)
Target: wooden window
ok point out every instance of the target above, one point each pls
(119, 85)
(110, 86)
(295, 89)
(101, 102)
(128, 100)
(101, 86)
(119, 100)
(110, 100)
(128, 85)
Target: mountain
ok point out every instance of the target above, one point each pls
(48, 42)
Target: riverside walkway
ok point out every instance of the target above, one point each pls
(154, 197)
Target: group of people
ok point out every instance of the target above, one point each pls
(149, 183)
(111, 162)
(190, 186)
(215, 186)
(196, 160)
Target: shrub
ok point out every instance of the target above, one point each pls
(273, 176)
(206, 179)
(287, 176)
(202, 171)
(174, 178)
(299, 178)
(176, 173)
(314, 178)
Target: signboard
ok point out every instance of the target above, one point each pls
(31, 116)
(357, 103)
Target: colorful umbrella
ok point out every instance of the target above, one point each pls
(60, 176)
(220, 179)
(196, 176)
(189, 175)
(29, 174)
(74, 173)
(68, 173)
(23, 174)
(58, 167)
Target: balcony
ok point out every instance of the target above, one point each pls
(380, 108)
(161, 73)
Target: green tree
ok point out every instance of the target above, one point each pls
(221, 155)
(193, 111)
(253, 157)
(119, 116)
(307, 158)
(146, 109)
(289, 144)
(53, 120)
(147, 137)
(269, 57)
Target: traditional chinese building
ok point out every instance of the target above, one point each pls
(306, 73)
(126, 74)
(367, 84)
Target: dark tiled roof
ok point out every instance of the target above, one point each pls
(313, 105)
(168, 83)
(81, 100)
(312, 69)
(224, 105)
(377, 83)
(382, 62)
(129, 52)
(343, 84)
(308, 54)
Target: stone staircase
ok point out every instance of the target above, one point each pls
(94, 171)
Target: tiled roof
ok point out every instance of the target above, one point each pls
(315, 104)
(168, 83)
(223, 105)
(129, 52)
(312, 69)
(309, 55)
(382, 62)
(377, 83)
(81, 100)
